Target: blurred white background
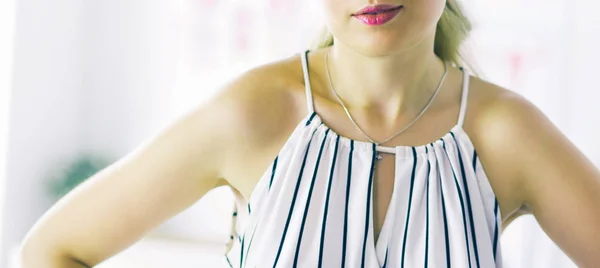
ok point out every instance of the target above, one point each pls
(98, 77)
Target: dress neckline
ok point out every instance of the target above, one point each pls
(456, 130)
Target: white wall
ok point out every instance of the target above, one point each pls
(583, 89)
(46, 122)
(131, 52)
(7, 23)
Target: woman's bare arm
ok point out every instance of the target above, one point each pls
(168, 173)
(554, 181)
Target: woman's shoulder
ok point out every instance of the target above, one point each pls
(494, 109)
(497, 117)
(504, 127)
(259, 110)
(267, 97)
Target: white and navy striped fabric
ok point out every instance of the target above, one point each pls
(313, 207)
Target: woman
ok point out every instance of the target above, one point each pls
(361, 153)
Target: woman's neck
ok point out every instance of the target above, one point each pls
(388, 86)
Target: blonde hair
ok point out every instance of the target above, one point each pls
(451, 31)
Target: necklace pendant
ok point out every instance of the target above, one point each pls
(377, 153)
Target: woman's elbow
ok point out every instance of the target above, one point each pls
(36, 255)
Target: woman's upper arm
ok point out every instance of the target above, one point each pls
(553, 180)
(168, 173)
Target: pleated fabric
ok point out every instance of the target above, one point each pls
(313, 207)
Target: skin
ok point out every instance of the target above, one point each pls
(385, 75)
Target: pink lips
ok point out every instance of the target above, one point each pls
(377, 15)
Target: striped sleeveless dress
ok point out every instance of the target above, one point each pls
(313, 207)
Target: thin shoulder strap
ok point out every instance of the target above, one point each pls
(465, 94)
(309, 98)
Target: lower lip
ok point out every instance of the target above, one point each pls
(378, 19)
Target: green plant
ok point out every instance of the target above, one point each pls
(80, 169)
